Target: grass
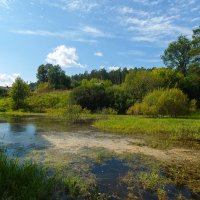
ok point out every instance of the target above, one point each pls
(174, 129)
(24, 181)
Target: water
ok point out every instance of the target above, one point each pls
(82, 149)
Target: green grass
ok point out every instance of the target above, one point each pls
(24, 181)
(158, 132)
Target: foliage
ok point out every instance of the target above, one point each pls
(195, 51)
(42, 73)
(117, 97)
(108, 111)
(54, 76)
(138, 83)
(19, 92)
(73, 113)
(43, 87)
(24, 181)
(5, 104)
(136, 109)
(115, 76)
(168, 78)
(164, 102)
(173, 102)
(3, 91)
(177, 54)
(57, 78)
(40, 102)
(91, 95)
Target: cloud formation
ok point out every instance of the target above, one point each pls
(5, 3)
(98, 53)
(75, 5)
(64, 56)
(7, 80)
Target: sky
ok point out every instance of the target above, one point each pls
(82, 35)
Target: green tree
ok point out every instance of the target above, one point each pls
(117, 97)
(91, 94)
(176, 56)
(19, 92)
(169, 78)
(195, 51)
(57, 78)
(42, 73)
(140, 82)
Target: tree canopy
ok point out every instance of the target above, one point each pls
(176, 56)
(19, 92)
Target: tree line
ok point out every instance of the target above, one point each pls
(123, 88)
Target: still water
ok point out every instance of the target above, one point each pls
(101, 158)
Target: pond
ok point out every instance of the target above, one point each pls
(118, 167)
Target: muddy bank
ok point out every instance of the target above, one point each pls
(73, 142)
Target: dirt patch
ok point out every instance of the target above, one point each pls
(74, 142)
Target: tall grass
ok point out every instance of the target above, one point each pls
(24, 181)
(174, 128)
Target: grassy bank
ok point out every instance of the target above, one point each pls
(174, 129)
(24, 181)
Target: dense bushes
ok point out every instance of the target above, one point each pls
(162, 102)
(96, 95)
(40, 102)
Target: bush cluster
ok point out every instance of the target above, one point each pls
(171, 102)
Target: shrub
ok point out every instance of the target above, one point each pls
(43, 87)
(44, 101)
(108, 111)
(171, 102)
(73, 113)
(5, 104)
(135, 109)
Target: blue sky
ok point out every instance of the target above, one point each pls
(83, 35)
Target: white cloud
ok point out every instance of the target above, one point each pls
(5, 3)
(154, 29)
(75, 5)
(99, 54)
(93, 31)
(64, 56)
(147, 2)
(128, 10)
(73, 35)
(113, 68)
(7, 80)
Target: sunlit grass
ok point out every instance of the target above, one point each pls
(174, 129)
(24, 180)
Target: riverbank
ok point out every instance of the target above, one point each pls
(159, 132)
(115, 164)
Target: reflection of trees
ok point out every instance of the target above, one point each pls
(17, 127)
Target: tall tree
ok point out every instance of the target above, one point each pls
(176, 56)
(140, 82)
(57, 78)
(42, 73)
(19, 92)
(195, 51)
